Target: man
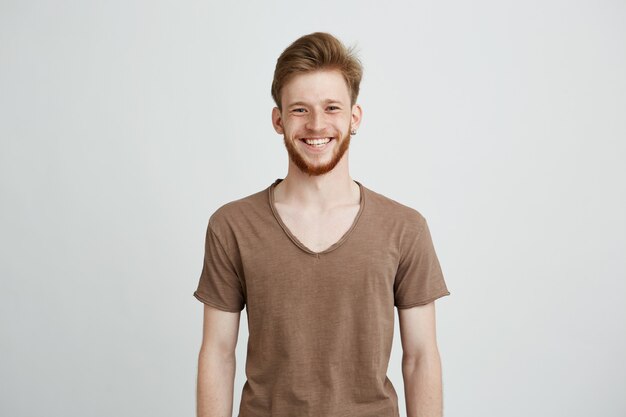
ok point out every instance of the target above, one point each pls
(319, 261)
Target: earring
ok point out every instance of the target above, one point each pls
(353, 132)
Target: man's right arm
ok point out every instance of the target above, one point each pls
(216, 363)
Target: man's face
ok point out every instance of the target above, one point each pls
(316, 105)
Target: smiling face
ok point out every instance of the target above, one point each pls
(316, 120)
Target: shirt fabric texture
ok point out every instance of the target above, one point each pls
(320, 324)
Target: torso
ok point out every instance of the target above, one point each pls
(320, 325)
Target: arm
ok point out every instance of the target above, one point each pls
(421, 364)
(216, 363)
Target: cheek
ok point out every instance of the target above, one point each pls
(294, 126)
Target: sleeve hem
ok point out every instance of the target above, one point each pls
(423, 302)
(216, 305)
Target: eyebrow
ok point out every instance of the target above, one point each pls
(327, 101)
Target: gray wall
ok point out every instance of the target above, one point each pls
(125, 124)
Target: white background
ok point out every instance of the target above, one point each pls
(125, 124)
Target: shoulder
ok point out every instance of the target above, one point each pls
(238, 211)
(397, 213)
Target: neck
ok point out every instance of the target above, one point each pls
(317, 193)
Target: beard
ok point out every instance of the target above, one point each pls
(312, 168)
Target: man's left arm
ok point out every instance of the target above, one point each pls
(421, 364)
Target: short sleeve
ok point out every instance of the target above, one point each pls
(219, 285)
(419, 279)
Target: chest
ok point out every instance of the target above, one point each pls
(318, 231)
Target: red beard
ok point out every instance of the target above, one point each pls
(313, 169)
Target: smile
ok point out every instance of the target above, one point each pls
(316, 142)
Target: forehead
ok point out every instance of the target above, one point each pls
(316, 86)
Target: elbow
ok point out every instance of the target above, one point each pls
(214, 353)
(413, 359)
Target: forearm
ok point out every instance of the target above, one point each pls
(216, 377)
(423, 385)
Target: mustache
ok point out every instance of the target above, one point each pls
(312, 134)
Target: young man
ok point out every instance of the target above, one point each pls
(319, 260)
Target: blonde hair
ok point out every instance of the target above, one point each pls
(317, 51)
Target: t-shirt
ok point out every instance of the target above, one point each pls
(320, 324)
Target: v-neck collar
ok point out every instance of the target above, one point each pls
(295, 240)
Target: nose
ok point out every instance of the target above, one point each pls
(315, 121)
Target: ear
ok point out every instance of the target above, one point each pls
(277, 121)
(357, 114)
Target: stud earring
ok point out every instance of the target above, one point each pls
(353, 132)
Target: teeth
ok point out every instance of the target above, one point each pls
(317, 141)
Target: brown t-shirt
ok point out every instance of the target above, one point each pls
(320, 324)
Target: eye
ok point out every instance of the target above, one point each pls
(298, 110)
(334, 108)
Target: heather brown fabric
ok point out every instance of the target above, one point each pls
(320, 324)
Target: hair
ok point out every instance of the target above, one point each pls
(317, 51)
